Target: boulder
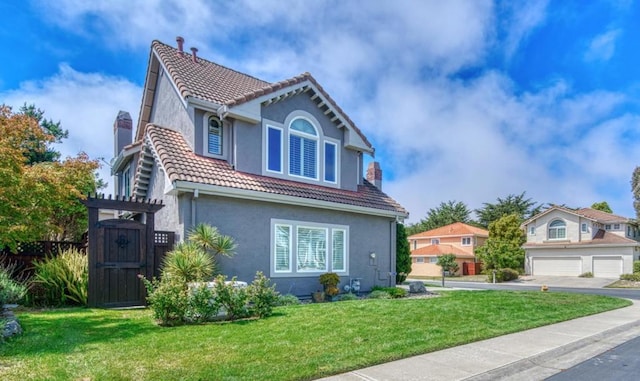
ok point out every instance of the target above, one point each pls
(417, 287)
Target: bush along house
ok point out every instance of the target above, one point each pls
(278, 166)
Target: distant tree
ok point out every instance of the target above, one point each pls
(503, 248)
(448, 263)
(403, 254)
(602, 206)
(42, 150)
(635, 189)
(523, 207)
(446, 213)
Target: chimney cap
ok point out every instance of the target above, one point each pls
(194, 56)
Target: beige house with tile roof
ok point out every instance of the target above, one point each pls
(567, 242)
(278, 166)
(458, 238)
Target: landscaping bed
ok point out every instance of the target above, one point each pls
(298, 342)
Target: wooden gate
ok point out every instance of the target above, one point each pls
(120, 259)
(119, 250)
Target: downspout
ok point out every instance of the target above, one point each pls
(392, 250)
(194, 204)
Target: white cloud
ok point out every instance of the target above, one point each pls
(86, 104)
(603, 46)
(520, 19)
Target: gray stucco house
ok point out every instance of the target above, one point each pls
(277, 166)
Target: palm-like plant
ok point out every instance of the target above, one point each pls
(189, 263)
(209, 239)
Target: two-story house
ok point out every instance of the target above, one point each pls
(458, 238)
(562, 241)
(277, 166)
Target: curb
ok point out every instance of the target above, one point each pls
(548, 362)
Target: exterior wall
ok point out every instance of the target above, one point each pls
(431, 269)
(167, 218)
(350, 167)
(542, 225)
(169, 111)
(200, 129)
(453, 241)
(249, 222)
(586, 253)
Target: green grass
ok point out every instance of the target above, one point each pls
(298, 342)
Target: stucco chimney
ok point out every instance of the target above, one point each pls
(374, 174)
(122, 132)
(180, 42)
(194, 57)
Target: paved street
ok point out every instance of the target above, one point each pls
(620, 363)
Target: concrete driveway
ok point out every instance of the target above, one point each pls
(563, 281)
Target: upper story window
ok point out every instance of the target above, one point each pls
(557, 230)
(607, 227)
(435, 241)
(532, 230)
(214, 136)
(584, 228)
(303, 149)
(419, 260)
(125, 182)
(299, 149)
(616, 226)
(466, 241)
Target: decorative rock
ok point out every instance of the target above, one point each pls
(11, 328)
(417, 288)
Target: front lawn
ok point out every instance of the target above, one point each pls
(298, 342)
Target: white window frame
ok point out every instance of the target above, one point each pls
(433, 260)
(607, 227)
(205, 136)
(435, 241)
(419, 259)
(303, 135)
(295, 226)
(557, 229)
(616, 226)
(335, 158)
(268, 146)
(584, 228)
(468, 239)
(532, 230)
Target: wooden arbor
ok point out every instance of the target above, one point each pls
(119, 250)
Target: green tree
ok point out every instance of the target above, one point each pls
(446, 213)
(403, 254)
(503, 248)
(602, 206)
(523, 207)
(635, 189)
(44, 151)
(448, 263)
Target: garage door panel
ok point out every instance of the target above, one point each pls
(607, 267)
(557, 266)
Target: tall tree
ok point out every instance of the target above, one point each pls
(446, 213)
(635, 189)
(403, 254)
(523, 207)
(39, 200)
(44, 151)
(602, 206)
(503, 248)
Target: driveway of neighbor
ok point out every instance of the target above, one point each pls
(563, 281)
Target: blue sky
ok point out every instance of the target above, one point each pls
(463, 100)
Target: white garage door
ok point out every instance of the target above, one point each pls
(557, 266)
(607, 267)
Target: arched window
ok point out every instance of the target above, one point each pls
(303, 149)
(557, 230)
(214, 136)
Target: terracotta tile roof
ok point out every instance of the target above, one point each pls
(601, 238)
(455, 229)
(441, 250)
(181, 164)
(600, 216)
(215, 83)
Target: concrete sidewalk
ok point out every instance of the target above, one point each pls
(529, 355)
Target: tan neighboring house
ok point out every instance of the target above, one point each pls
(567, 242)
(457, 238)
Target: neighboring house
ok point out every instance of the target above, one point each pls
(457, 238)
(277, 166)
(562, 241)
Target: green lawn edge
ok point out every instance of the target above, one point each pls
(297, 343)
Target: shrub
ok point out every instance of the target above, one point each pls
(636, 267)
(262, 296)
(287, 300)
(63, 279)
(330, 283)
(394, 292)
(10, 290)
(502, 275)
(635, 277)
(588, 274)
(202, 304)
(168, 299)
(379, 294)
(188, 262)
(348, 296)
(232, 298)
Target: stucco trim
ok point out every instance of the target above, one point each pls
(186, 186)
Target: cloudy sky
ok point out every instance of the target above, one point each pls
(463, 100)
